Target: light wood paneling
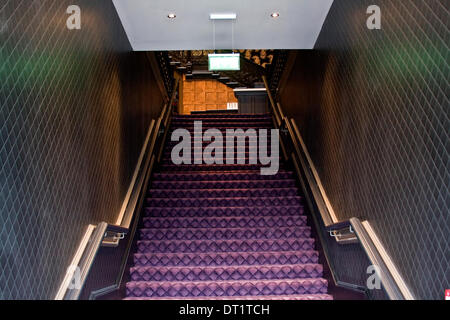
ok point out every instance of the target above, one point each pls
(205, 95)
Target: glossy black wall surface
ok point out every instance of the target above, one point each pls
(373, 107)
(74, 110)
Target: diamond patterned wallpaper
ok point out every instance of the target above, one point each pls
(374, 111)
(74, 109)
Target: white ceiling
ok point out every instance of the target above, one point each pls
(148, 28)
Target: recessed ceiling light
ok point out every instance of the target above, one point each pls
(171, 16)
(275, 15)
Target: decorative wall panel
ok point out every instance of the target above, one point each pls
(373, 107)
(74, 109)
(205, 95)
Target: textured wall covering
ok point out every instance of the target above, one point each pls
(205, 95)
(74, 109)
(374, 110)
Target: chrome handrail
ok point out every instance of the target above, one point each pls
(168, 119)
(78, 271)
(123, 218)
(172, 98)
(277, 114)
(393, 283)
(109, 235)
(326, 210)
(275, 110)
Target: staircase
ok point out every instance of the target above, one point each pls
(224, 231)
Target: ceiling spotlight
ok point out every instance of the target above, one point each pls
(171, 16)
(275, 15)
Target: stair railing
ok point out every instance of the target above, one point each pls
(109, 235)
(344, 232)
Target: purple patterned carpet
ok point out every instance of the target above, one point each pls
(224, 231)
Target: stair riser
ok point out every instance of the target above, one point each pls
(222, 126)
(223, 184)
(205, 246)
(230, 289)
(224, 233)
(224, 118)
(244, 155)
(215, 167)
(226, 273)
(223, 193)
(225, 259)
(301, 297)
(212, 176)
(223, 202)
(167, 160)
(199, 212)
(233, 222)
(197, 143)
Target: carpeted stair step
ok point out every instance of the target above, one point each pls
(220, 202)
(236, 184)
(225, 259)
(223, 211)
(236, 160)
(212, 167)
(225, 222)
(195, 142)
(222, 126)
(222, 176)
(306, 297)
(223, 193)
(178, 119)
(167, 154)
(224, 233)
(227, 288)
(227, 273)
(204, 246)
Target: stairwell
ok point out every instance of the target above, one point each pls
(224, 231)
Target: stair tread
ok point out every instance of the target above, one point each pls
(229, 189)
(229, 219)
(201, 268)
(223, 229)
(205, 246)
(222, 192)
(262, 298)
(229, 281)
(188, 184)
(226, 273)
(225, 258)
(275, 197)
(226, 174)
(229, 288)
(227, 211)
(224, 233)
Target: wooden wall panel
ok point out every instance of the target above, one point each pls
(205, 95)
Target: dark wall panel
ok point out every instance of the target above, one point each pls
(373, 106)
(253, 102)
(74, 110)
